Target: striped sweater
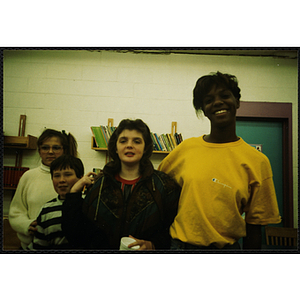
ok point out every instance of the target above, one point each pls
(49, 233)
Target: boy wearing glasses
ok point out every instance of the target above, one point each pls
(65, 171)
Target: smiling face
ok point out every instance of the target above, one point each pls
(63, 180)
(130, 147)
(220, 106)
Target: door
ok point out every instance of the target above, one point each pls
(269, 134)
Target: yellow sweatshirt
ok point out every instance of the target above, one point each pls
(219, 183)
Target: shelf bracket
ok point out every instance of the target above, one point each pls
(174, 128)
(22, 125)
(110, 122)
(19, 154)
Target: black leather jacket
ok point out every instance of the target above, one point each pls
(103, 217)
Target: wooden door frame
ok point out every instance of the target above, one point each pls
(274, 111)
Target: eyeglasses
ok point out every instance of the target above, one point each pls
(55, 149)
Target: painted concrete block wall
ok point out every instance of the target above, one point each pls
(73, 90)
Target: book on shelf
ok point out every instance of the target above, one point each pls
(155, 145)
(110, 130)
(172, 146)
(162, 143)
(12, 175)
(178, 138)
(158, 142)
(165, 142)
(173, 141)
(102, 135)
(99, 138)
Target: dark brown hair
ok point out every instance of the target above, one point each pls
(64, 161)
(68, 141)
(138, 125)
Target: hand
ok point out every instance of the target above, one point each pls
(32, 227)
(144, 245)
(86, 180)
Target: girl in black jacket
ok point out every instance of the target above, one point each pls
(128, 198)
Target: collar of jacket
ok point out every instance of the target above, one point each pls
(108, 171)
(146, 173)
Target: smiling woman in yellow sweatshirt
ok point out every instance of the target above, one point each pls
(221, 177)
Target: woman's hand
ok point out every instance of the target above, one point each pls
(32, 227)
(144, 245)
(86, 180)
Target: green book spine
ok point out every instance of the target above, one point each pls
(96, 130)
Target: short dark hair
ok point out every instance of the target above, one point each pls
(67, 161)
(205, 84)
(68, 141)
(138, 125)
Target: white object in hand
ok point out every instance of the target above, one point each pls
(125, 241)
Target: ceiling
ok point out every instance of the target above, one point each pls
(290, 53)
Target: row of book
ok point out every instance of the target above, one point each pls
(102, 135)
(166, 142)
(163, 142)
(12, 175)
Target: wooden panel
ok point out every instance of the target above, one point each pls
(29, 142)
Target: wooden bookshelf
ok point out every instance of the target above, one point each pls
(11, 175)
(94, 147)
(110, 123)
(20, 142)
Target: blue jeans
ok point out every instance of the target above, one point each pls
(179, 245)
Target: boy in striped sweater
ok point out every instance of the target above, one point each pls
(65, 171)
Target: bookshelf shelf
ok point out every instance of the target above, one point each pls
(110, 124)
(94, 147)
(20, 142)
(162, 152)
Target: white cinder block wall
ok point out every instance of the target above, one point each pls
(76, 89)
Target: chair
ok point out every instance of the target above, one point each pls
(281, 236)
